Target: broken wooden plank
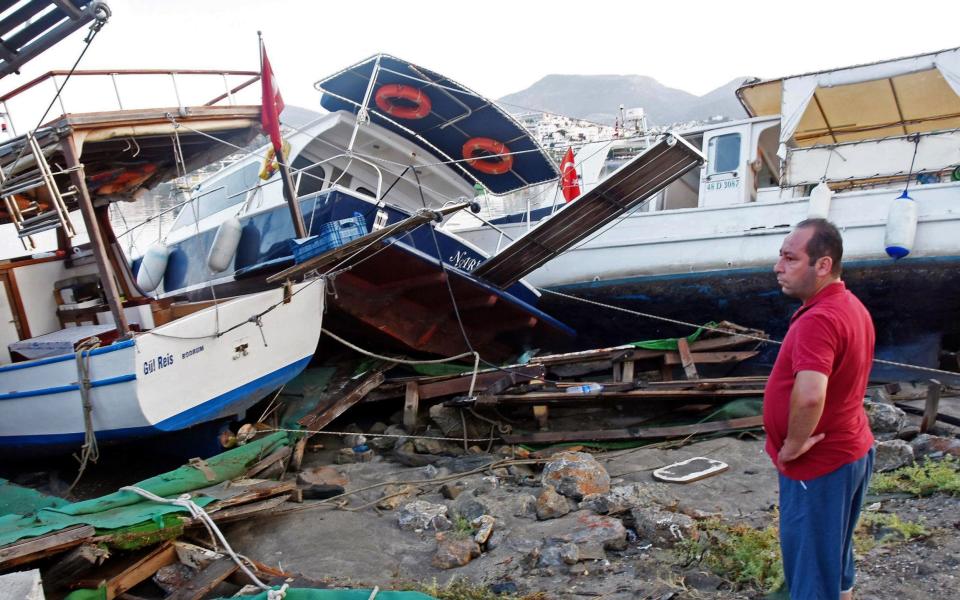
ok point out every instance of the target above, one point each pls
(686, 360)
(74, 565)
(634, 433)
(30, 549)
(123, 576)
(245, 510)
(322, 416)
(252, 491)
(461, 384)
(207, 579)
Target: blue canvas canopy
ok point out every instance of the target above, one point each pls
(443, 117)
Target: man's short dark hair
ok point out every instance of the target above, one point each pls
(825, 241)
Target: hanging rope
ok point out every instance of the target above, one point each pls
(89, 451)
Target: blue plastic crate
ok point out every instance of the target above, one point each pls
(332, 235)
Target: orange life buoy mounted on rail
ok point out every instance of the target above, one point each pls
(488, 156)
(387, 100)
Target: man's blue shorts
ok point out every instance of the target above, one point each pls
(817, 519)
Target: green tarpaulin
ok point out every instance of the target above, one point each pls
(124, 509)
(671, 343)
(22, 500)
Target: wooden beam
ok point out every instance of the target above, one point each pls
(107, 275)
(411, 405)
(627, 372)
(634, 432)
(642, 394)
(932, 405)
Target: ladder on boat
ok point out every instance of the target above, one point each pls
(33, 219)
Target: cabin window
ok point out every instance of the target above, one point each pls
(219, 194)
(364, 190)
(310, 179)
(723, 153)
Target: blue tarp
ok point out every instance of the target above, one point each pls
(457, 114)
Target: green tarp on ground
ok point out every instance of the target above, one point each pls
(123, 509)
(22, 500)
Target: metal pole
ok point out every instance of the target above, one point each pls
(290, 194)
(104, 265)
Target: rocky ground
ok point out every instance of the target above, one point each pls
(579, 524)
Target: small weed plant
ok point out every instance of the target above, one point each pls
(885, 529)
(921, 479)
(464, 589)
(740, 554)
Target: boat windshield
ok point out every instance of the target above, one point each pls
(219, 193)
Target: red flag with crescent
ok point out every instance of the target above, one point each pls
(569, 181)
(272, 103)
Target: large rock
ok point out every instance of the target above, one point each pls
(422, 515)
(891, 455)
(451, 424)
(454, 552)
(587, 531)
(551, 505)
(575, 475)
(484, 525)
(884, 418)
(934, 445)
(624, 497)
(662, 528)
(396, 494)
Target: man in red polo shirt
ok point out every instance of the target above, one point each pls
(817, 431)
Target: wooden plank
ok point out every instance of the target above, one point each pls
(686, 360)
(24, 551)
(253, 493)
(411, 405)
(322, 416)
(461, 384)
(931, 405)
(673, 358)
(642, 394)
(634, 433)
(274, 457)
(207, 579)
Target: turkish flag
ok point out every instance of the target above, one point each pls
(568, 177)
(272, 103)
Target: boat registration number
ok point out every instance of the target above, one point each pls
(728, 184)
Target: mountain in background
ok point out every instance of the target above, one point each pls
(597, 98)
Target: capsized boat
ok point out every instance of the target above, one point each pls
(845, 144)
(84, 353)
(394, 142)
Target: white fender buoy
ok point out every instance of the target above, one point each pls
(901, 226)
(224, 245)
(820, 198)
(152, 267)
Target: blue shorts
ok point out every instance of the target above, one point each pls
(817, 519)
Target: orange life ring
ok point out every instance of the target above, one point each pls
(500, 162)
(388, 95)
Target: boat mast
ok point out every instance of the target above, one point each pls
(96, 236)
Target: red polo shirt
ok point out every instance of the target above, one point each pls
(832, 333)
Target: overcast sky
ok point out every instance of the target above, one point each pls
(498, 47)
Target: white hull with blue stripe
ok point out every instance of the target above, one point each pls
(170, 378)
